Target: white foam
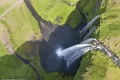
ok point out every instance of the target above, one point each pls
(58, 51)
(63, 52)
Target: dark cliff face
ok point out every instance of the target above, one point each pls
(54, 37)
(62, 37)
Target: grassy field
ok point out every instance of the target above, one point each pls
(58, 11)
(51, 9)
(2, 50)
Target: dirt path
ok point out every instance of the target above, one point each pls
(4, 38)
(7, 44)
(10, 49)
(12, 7)
(4, 35)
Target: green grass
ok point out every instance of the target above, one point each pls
(82, 69)
(5, 5)
(88, 8)
(97, 67)
(50, 10)
(110, 28)
(110, 21)
(11, 67)
(2, 50)
(2, 10)
(74, 19)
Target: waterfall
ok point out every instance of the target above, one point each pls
(87, 27)
(73, 53)
(69, 51)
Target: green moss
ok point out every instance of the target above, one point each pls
(13, 68)
(2, 9)
(103, 6)
(69, 2)
(74, 19)
(97, 68)
(109, 25)
(88, 8)
(82, 69)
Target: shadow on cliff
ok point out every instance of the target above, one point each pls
(13, 67)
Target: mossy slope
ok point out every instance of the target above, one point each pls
(100, 67)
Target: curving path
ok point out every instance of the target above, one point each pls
(11, 8)
(8, 45)
(10, 49)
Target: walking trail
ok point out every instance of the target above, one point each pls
(4, 38)
(11, 8)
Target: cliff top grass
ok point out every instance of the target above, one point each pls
(99, 66)
(2, 50)
(58, 11)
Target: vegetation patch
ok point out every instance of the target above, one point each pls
(51, 9)
(2, 50)
(109, 25)
(11, 67)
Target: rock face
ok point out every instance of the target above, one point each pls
(55, 37)
(62, 37)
